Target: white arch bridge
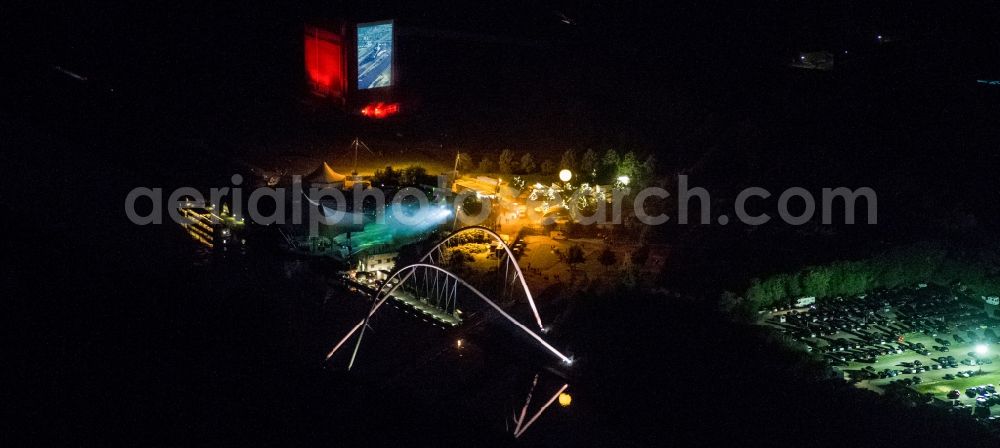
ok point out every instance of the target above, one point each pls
(434, 290)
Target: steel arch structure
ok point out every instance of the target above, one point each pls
(406, 272)
(519, 276)
(458, 281)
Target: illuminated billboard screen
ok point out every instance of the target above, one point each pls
(374, 55)
(324, 62)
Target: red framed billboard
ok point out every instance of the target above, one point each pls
(325, 62)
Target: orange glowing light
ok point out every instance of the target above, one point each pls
(565, 399)
(380, 110)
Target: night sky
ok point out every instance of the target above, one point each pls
(181, 93)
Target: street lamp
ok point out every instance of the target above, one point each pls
(565, 175)
(982, 349)
(624, 180)
(565, 399)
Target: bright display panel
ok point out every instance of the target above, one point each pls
(324, 62)
(375, 48)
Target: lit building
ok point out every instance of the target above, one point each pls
(379, 263)
(481, 185)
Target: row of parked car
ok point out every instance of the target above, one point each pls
(874, 322)
(985, 395)
(962, 374)
(848, 331)
(869, 372)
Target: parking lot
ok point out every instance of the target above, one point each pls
(930, 343)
